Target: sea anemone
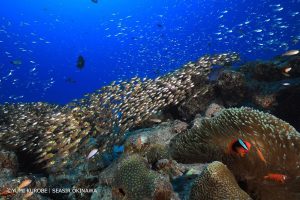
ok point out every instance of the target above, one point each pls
(269, 166)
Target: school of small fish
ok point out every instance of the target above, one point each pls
(52, 133)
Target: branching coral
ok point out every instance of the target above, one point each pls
(216, 183)
(270, 167)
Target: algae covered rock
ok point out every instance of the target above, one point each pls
(8, 164)
(152, 143)
(216, 183)
(197, 103)
(179, 126)
(156, 152)
(213, 109)
(232, 87)
(103, 193)
(8, 160)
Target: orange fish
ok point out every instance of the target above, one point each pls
(280, 178)
(239, 146)
(139, 142)
(28, 194)
(260, 155)
(24, 184)
(6, 192)
(285, 71)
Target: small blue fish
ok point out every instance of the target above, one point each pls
(118, 149)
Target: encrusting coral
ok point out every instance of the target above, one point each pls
(262, 151)
(216, 182)
(52, 133)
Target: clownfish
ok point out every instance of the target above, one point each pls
(260, 155)
(280, 178)
(239, 147)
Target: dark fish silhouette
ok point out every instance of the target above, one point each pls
(16, 62)
(159, 25)
(80, 62)
(94, 1)
(70, 80)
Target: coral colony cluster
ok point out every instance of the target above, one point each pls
(172, 137)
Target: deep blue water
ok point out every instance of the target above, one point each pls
(120, 39)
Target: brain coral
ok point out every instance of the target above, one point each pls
(216, 182)
(270, 169)
(134, 180)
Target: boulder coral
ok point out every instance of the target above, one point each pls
(134, 180)
(262, 151)
(216, 182)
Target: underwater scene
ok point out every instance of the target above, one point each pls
(149, 100)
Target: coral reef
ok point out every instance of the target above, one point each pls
(258, 84)
(168, 167)
(260, 150)
(11, 188)
(267, 72)
(153, 157)
(213, 109)
(273, 86)
(287, 105)
(11, 179)
(274, 150)
(155, 139)
(195, 104)
(216, 183)
(265, 101)
(274, 70)
(8, 164)
(103, 193)
(156, 152)
(231, 86)
(52, 134)
(179, 126)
